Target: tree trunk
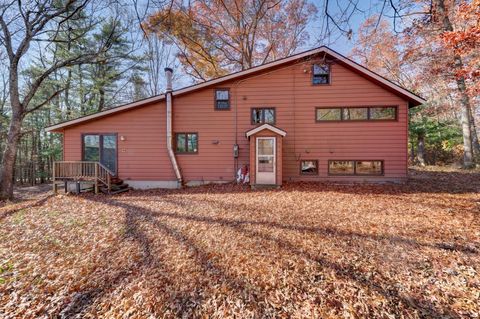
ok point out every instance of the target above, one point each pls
(40, 160)
(475, 142)
(101, 101)
(81, 91)
(31, 162)
(421, 149)
(465, 121)
(7, 170)
(67, 94)
(8, 160)
(69, 80)
(462, 90)
(412, 152)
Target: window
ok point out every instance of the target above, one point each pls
(309, 167)
(91, 148)
(263, 115)
(266, 154)
(383, 113)
(334, 114)
(321, 74)
(186, 142)
(100, 148)
(341, 167)
(109, 152)
(222, 99)
(367, 168)
(364, 113)
(355, 113)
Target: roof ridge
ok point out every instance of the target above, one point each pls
(374, 76)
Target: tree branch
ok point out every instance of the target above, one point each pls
(82, 59)
(7, 39)
(45, 102)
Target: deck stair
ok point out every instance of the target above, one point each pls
(117, 186)
(93, 173)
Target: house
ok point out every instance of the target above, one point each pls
(313, 116)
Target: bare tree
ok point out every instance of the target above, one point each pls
(159, 55)
(3, 104)
(3, 92)
(215, 37)
(21, 25)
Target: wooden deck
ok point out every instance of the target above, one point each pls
(81, 171)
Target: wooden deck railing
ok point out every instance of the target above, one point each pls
(82, 171)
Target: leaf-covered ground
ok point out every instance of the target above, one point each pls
(303, 251)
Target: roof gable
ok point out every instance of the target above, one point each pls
(265, 126)
(413, 99)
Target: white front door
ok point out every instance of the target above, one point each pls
(266, 167)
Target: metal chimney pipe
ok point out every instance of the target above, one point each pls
(168, 75)
(169, 102)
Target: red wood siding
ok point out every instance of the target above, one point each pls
(196, 113)
(289, 90)
(143, 154)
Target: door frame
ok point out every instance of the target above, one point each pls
(274, 138)
(101, 146)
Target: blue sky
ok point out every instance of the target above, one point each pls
(341, 10)
(338, 41)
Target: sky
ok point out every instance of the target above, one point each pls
(351, 20)
(314, 28)
(338, 41)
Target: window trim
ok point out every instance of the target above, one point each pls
(309, 174)
(100, 145)
(355, 167)
(215, 99)
(396, 107)
(263, 116)
(329, 74)
(186, 143)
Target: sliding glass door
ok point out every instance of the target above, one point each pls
(101, 148)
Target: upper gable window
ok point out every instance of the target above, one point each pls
(321, 74)
(263, 115)
(222, 99)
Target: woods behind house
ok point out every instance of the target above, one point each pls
(64, 59)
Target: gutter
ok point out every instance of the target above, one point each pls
(171, 154)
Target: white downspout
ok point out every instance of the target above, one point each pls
(171, 154)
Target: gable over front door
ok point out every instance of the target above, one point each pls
(266, 155)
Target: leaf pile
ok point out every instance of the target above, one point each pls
(305, 250)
